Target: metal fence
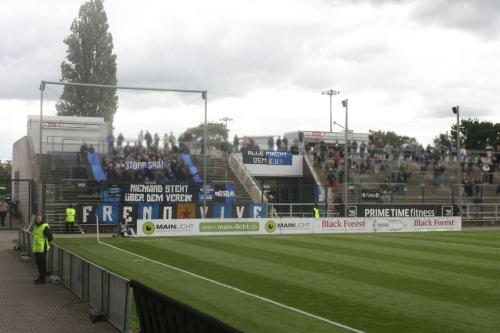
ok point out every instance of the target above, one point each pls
(104, 291)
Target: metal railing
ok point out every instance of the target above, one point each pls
(275, 210)
(104, 291)
(246, 179)
(57, 143)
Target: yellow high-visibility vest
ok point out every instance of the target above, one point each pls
(40, 242)
(70, 215)
(316, 212)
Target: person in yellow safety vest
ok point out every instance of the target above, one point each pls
(41, 244)
(316, 211)
(70, 219)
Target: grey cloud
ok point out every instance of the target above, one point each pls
(481, 17)
(446, 112)
(265, 56)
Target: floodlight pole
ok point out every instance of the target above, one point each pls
(456, 110)
(345, 103)
(330, 93)
(42, 88)
(204, 95)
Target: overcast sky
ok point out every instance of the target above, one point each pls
(402, 64)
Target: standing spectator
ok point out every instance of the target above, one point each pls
(127, 150)
(111, 141)
(462, 157)
(278, 143)
(157, 141)
(41, 245)
(165, 142)
(285, 144)
(149, 140)
(354, 147)
(140, 138)
(236, 143)
(70, 219)
(270, 143)
(316, 211)
(120, 140)
(172, 139)
(487, 175)
(4, 209)
(362, 151)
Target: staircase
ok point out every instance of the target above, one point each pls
(65, 182)
(218, 171)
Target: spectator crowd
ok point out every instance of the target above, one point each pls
(144, 159)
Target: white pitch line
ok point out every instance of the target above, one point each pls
(331, 322)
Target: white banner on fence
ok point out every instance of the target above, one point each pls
(198, 227)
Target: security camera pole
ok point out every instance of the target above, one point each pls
(330, 93)
(345, 104)
(456, 110)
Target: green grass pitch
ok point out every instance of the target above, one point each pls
(426, 282)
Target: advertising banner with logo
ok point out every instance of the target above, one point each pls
(395, 210)
(260, 226)
(406, 224)
(198, 227)
(343, 225)
(267, 157)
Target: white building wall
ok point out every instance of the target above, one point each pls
(67, 134)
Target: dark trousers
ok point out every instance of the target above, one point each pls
(69, 226)
(41, 264)
(2, 218)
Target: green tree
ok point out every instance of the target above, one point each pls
(475, 134)
(5, 177)
(216, 133)
(89, 59)
(443, 141)
(392, 138)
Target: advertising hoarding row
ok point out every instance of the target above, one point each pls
(262, 226)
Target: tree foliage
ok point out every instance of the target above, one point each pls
(475, 134)
(443, 141)
(216, 132)
(392, 138)
(6, 174)
(89, 59)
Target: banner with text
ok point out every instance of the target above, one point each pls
(267, 157)
(260, 226)
(110, 213)
(151, 165)
(160, 193)
(394, 210)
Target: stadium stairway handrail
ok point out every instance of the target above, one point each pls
(246, 179)
(317, 179)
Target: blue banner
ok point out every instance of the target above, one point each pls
(111, 195)
(107, 214)
(267, 157)
(222, 211)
